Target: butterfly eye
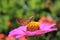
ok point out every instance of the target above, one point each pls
(24, 21)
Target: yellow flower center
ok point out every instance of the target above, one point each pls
(32, 26)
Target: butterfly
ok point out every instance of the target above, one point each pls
(24, 21)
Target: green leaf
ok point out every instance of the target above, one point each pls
(32, 4)
(12, 3)
(1, 24)
(21, 2)
(19, 13)
(4, 6)
(5, 21)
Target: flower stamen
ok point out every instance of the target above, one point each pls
(33, 26)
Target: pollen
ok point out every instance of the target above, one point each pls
(33, 26)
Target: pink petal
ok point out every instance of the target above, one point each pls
(50, 30)
(20, 35)
(34, 33)
(19, 31)
(39, 32)
(44, 26)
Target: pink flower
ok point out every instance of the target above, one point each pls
(9, 38)
(22, 30)
(2, 35)
(46, 19)
(23, 38)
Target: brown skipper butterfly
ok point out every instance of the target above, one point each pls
(24, 21)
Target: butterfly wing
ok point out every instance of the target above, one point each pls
(24, 21)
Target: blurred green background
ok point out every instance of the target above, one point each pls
(10, 10)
